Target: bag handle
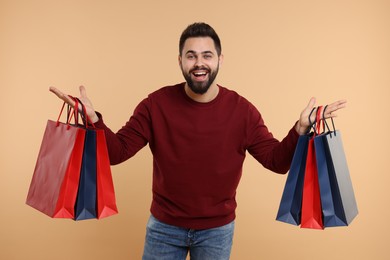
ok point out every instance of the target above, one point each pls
(82, 111)
(84, 115)
(312, 124)
(69, 114)
(318, 121)
(327, 126)
(59, 116)
(316, 124)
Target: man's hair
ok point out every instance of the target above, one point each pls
(200, 30)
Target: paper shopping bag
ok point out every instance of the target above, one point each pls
(86, 196)
(311, 202)
(97, 187)
(291, 202)
(106, 203)
(54, 184)
(332, 208)
(341, 179)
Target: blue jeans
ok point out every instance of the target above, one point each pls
(166, 242)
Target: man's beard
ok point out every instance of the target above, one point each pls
(200, 87)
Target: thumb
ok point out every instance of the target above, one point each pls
(83, 92)
(311, 104)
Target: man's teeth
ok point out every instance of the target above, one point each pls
(199, 73)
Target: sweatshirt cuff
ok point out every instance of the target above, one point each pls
(294, 132)
(100, 123)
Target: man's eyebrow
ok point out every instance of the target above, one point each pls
(203, 52)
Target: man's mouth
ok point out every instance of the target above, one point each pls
(200, 74)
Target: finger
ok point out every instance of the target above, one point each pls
(62, 96)
(311, 103)
(83, 92)
(337, 105)
(57, 92)
(309, 110)
(332, 108)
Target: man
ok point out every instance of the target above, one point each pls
(199, 133)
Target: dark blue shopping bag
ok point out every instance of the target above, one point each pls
(340, 175)
(85, 207)
(331, 203)
(291, 203)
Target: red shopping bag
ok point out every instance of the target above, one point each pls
(106, 203)
(311, 202)
(55, 181)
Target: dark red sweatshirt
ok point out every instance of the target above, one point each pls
(198, 152)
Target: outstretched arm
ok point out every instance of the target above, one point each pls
(129, 139)
(303, 124)
(84, 99)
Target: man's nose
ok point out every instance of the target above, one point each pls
(199, 61)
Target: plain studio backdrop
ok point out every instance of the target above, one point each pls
(278, 54)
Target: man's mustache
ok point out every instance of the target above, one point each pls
(200, 68)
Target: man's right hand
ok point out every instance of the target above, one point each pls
(84, 99)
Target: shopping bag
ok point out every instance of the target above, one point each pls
(332, 208)
(328, 198)
(96, 197)
(86, 197)
(311, 201)
(53, 188)
(291, 201)
(106, 203)
(341, 178)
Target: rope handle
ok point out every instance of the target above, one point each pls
(316, 125)
(320, 119)
(84, 116)
(312, 124)
(327, 126)
(70, 112)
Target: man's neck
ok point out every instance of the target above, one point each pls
(210, 95)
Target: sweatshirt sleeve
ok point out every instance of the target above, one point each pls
(273, 154)
(132, 137)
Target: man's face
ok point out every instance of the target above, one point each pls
(199, 63)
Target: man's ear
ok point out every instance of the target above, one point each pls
(220, 60)
(179, 60)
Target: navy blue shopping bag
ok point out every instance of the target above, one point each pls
(85, 207)
(341, 176)
(331, 203)
(291, 203)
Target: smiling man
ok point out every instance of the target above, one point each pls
(199, 61)
(199, 133)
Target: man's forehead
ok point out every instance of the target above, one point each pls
(199, 45)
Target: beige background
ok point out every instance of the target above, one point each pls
(277, 54)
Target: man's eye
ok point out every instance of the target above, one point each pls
(190, 57)
(208, 56)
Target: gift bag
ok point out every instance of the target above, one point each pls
(328, 199)
(341, 179)
(332, 208)
(311, 201)
(106, 203)
(53, 188)
(86, 196)
(72, 177)
(96, 196)
(291, 202)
